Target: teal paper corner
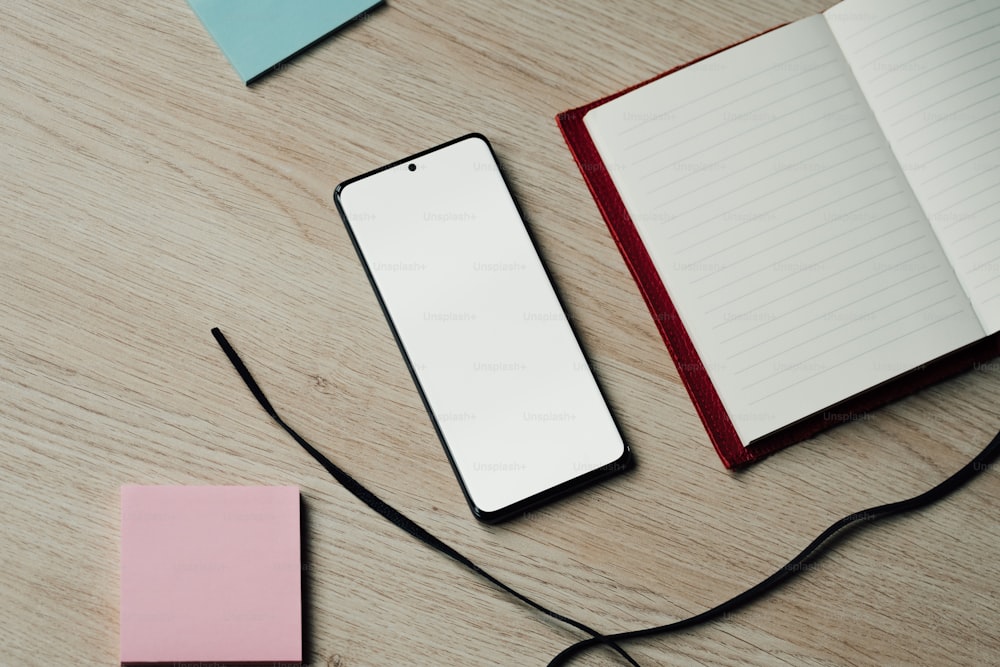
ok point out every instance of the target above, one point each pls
(256, 35)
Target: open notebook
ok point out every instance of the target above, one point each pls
(813, 215)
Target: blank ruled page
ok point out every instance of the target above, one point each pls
(781, 226)
(931, 72)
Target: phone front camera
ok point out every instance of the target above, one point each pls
(412, 167)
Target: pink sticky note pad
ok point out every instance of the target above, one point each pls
(210, 574)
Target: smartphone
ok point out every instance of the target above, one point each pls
(500, 370)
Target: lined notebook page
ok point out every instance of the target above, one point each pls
(782, 227)
(931, 72)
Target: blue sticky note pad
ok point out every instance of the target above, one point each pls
(256, 35)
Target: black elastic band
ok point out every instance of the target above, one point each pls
(795, 566)
(391, 513)
(808, 555)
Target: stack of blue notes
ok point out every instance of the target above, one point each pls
(256, 35)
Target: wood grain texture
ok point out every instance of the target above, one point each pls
(148, 196)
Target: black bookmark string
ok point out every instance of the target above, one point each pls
(808, 555)
(391, 513)
(795, 566)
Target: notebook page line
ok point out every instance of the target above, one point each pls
(846, 286)
(871, 25)
(904, 100)
(781, 151)
(767, 175)
(971, 52)
(794, 92)
(935, 94)
(786, 222)
(809, 231)
(898, 29)
(847, 323)
(669, 113)
(781, 131)
(782, 278)
(866, 262)
(887, 343)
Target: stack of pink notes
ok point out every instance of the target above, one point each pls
(210, 574)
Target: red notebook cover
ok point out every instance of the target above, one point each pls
(689, 365)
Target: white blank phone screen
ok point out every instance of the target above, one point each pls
(493, 353)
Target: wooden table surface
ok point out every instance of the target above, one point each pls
(147, 196)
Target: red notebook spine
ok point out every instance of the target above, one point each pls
(623, 231)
